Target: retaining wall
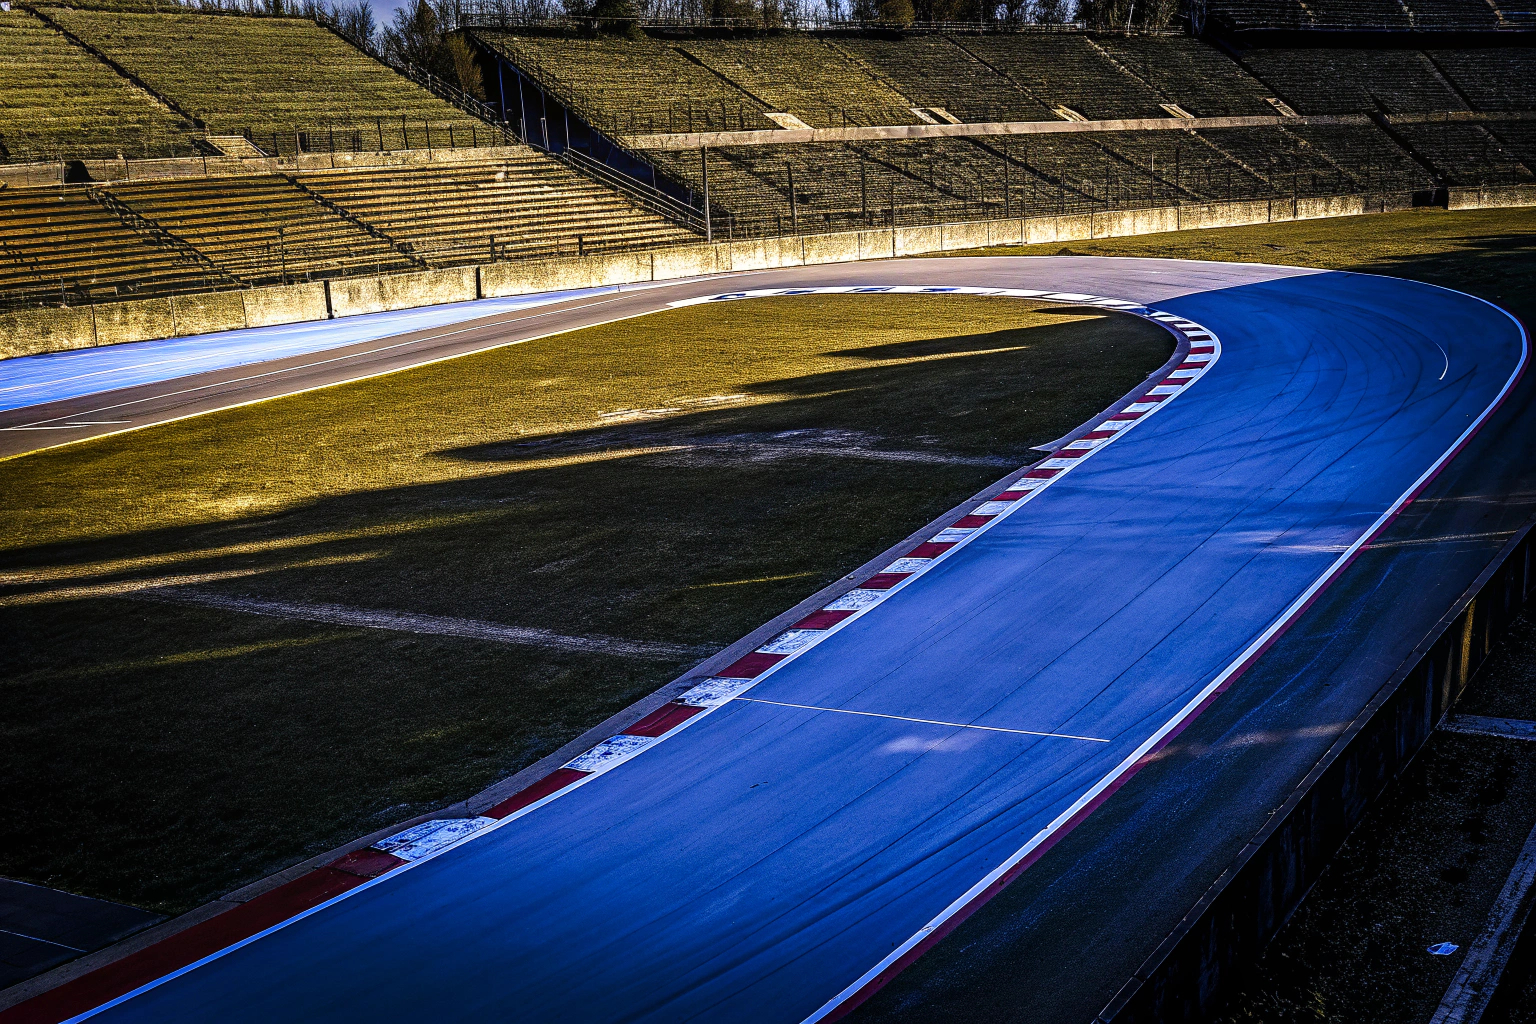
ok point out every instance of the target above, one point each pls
(1184, 979)
(354, 295)
(33, 331)
(1481, 198)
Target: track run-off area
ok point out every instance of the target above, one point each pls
(781, 840)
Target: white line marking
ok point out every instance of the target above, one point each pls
(46, 942)
(1232, 669)
(924, 721)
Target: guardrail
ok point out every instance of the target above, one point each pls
(1186, 976)
(656, 201)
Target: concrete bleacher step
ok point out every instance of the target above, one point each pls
(237, 146)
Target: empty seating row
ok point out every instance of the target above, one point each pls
(59, 244)
(270, 75)
(803, 76)
(935, 71)
(166, 235)
(1068, 70)
(628, 86)
(58, 99)
(1492, 78)
(514, 205)
(1347, 81)
(1356, 15)
(1197, 77)
(1463, 153)
(260, 228)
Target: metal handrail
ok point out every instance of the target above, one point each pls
(642, 194)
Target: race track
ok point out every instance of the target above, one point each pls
(834, 806)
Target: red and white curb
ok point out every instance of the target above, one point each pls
(746, 672)
(317, 889)
(739, 677)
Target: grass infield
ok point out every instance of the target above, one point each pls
(670, 482)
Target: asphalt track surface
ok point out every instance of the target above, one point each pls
(775, 858)
(55, 376)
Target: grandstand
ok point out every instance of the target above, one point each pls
(262, 229)
(1349, 81)
(243, 105)
(1270, 17)
(517, 204)
(628, 86)
(273, 80)
(60, 100)
(190, 233)
(61, 245)
(1491, 78)
(801, 75)
(833, 81)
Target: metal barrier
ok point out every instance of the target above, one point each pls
(643, 195)
(1184, 979)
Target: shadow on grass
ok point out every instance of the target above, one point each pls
(161, 754)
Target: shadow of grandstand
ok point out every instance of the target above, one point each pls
(1502, 264)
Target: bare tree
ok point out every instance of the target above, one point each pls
(355, 20)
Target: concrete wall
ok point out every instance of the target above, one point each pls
(26, 332)
(1120, 223)
(1184, 980)
(284, 304)
(118, 322)
(354, 295)
(1329, 206)
(51, 330)
(208, 312)
(1234, 214)
(1484, 198)
(689, 261)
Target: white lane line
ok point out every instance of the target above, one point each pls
(1196, 703)
(46, 942)
(73, 425)
(410, 622)
(923, 721)
(369, 374)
